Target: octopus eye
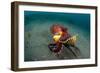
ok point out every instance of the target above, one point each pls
(58, 33)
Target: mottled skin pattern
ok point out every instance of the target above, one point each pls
(56, 28)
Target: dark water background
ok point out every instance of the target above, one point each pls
(37, 34)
